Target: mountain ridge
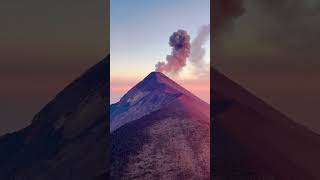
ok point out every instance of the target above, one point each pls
(154, 91)
(159, 77)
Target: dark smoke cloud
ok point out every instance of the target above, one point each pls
(198, 51)
(272, 27)
(224, 14)
(293, 26)
(180, 43)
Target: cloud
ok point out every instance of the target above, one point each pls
(198, 51)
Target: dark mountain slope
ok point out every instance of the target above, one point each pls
(68, 138)
(254, 141)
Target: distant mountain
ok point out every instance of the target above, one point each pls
(160, 131)
(251, 140)
(68, 138)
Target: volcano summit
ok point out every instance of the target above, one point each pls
(160, 130)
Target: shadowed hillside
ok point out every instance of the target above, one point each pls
(254, 141)
(68, 138)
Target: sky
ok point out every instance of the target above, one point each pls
(139, 37)
(272, 49)
(45, 44)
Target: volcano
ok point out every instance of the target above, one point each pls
(160, 130)
(252, 140)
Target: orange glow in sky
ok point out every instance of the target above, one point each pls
(201, 88)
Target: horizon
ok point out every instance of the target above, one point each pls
(136, 83)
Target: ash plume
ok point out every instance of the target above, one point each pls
(293, 27)
(225, 12)
(197, 52)
(289, 26)
(180, 43)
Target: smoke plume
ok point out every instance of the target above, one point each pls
(197, 52)
(224, 14)
(180, 43)
(278, 27)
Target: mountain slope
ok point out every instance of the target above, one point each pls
(68, 138)
(254, 141)
(164, 132)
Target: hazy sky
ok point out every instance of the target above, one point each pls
(139, 34)
(272, 49)
(45, 44)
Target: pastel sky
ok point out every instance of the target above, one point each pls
(139, 36)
